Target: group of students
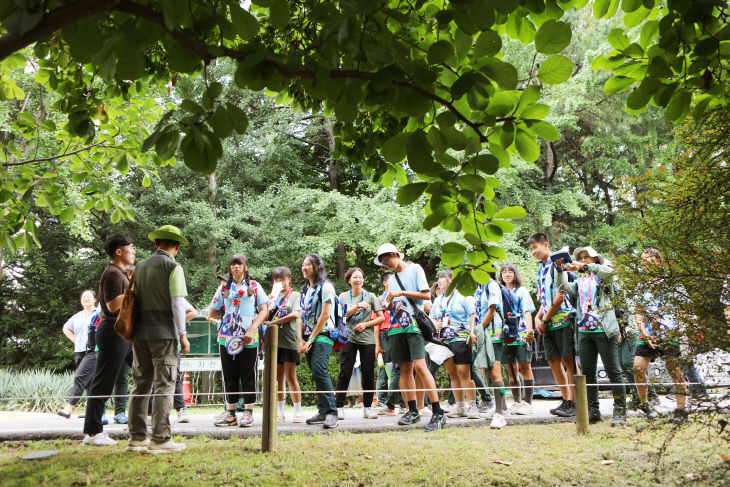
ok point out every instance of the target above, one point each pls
(476, 335)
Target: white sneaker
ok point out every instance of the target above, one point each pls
(458, 412)
(100, 439)
(369, 413)
(498, 421)
(382, 409)
(472, 412)
(168, 446)
(138, 445)
(298, 418)
(521, 408)
(182, 416)
(281, 418)
(340, 413)
(401, 411)
(426, 411)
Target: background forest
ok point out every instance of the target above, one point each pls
(279, 193)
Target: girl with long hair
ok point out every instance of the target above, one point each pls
(242, 306)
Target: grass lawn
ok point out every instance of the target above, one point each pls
(536, 454)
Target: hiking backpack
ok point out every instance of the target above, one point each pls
(341, 332)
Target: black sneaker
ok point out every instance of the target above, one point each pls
(594, 415)
(566, 410)
(437, 422)
(485, 405)
(619, 418)
(648, 411)
(679, 417)
(411, 417)
(317, 418)
(555, 409)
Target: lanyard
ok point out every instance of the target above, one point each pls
(478, 300)
(282, 304)
(542, 272)
(359, 314)
(585, 289)
(305, 302)
(446, 308)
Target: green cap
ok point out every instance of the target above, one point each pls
(168, 232)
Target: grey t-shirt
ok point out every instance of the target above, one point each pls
(367, 336)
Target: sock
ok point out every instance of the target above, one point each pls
(436, 408)
(280, 406)
(460, 404)
(499, 397)
(412, 406)
(529, 389)
(298, 407)
(515, 392)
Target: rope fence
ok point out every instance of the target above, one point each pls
(375, 391)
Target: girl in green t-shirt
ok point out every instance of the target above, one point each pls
(285, 304)
(360, 307)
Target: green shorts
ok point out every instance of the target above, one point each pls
(406, 347)
(498, 350)
(516, 354)
(559, 343)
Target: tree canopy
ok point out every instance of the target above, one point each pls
(421, 86)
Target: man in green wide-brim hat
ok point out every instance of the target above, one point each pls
(159, 322)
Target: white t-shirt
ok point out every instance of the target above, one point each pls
(79, 325)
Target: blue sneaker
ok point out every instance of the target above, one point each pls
(120, 418)
(104, 421)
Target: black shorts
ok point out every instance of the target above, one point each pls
(287, 355)
(664, 351)
(462, 353)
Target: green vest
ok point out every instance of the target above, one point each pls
(153, 305)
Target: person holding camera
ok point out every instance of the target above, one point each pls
(598, 329)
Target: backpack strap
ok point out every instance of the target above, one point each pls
(402, 288)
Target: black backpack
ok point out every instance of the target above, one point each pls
(511, 314)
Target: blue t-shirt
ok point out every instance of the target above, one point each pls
(454, 311)
(659, 315)
(547, 290)
(522, 296)
(240, 309)
(311, 308)
(414, 279)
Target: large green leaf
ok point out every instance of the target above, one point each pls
(511, 213)
(555, 70)
(527, 145)
(488, 44)
(245, 24)
(452, 254)
(410, 192)
(420, 158)
(440, 52)
(394, 149)
(553, 37)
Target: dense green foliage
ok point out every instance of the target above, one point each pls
(367, 107)
(426, 81)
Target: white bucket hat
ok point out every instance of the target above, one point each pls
(591, 253)
(387, 248)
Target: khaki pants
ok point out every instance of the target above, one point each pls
(155, 364)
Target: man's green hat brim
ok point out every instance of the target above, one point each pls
(168, 232)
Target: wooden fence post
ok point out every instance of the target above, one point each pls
(268, 433)
(581, 404)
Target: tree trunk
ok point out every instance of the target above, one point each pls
(332, 171)
(605, 187)
(214, 209)
(551, 166)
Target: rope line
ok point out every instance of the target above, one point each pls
(375, 391)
